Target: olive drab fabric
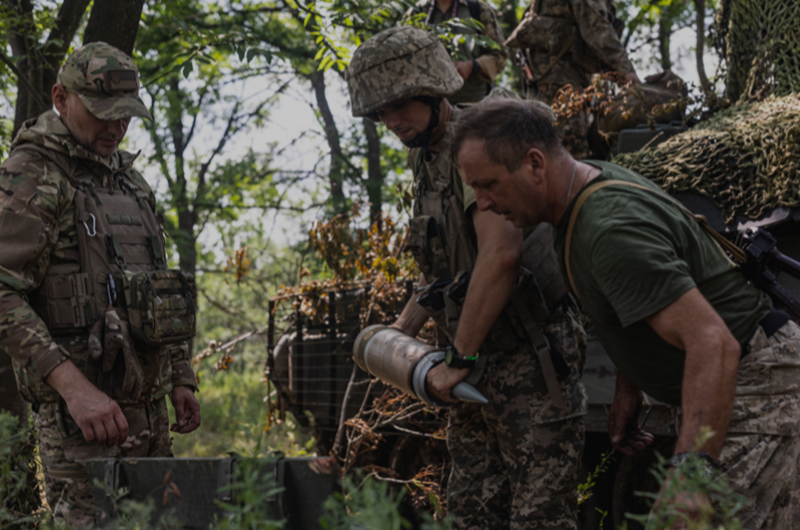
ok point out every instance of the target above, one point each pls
(71, 223)
(397, 64)
(491, 61)
(106, 80)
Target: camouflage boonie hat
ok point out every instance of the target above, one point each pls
(397, 64)
(106, 79)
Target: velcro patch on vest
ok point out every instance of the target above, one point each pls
(116, 219)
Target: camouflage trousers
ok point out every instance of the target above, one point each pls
(761, 454)
(64, 452)
(515, 461)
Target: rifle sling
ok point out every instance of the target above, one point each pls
(724, 243)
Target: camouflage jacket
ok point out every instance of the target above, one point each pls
(598, 42)
(38, 231)
(491, 61)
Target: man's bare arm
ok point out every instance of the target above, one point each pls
(413, 316)
(712, 364)
(491, 285)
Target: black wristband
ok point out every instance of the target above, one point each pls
(454, 359)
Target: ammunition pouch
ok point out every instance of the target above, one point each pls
(426, 245)
(63, 301)
(161, 307)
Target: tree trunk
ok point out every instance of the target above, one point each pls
(114, 22)
(700, 28)
(664, 33)
(374, 173)
(336, 171)
(39, 63)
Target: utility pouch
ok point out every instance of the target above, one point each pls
(425, 244)
(161, 306)
(64, 302)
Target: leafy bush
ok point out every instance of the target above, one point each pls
(20, 495)
(371, 506)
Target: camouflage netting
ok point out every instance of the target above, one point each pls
(762, 47)
(746, 159)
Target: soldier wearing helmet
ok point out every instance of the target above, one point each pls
(495, 295)
(80, 237)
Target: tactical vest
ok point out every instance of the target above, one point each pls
(122, 264)
(444, 246)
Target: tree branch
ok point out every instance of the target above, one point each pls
(32, 90)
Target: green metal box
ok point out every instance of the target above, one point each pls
(188, 487)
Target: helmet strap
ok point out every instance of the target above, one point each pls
(423, 139)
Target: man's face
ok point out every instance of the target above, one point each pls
(406, 119)
(99, 136)
(510, 194)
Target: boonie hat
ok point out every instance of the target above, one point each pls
(106, 79)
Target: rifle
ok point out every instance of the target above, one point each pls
(530, 85)
(763, 257)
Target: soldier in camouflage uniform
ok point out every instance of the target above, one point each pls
(482, 65)
(672, 311)
(566, 41)
(513, 333)
(95, 390)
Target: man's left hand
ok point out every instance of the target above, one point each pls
(187, 410)
(464, 69)
(442, 379)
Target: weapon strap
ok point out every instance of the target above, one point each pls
(724, 243)
(542, 348)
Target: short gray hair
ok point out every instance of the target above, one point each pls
(508, 128)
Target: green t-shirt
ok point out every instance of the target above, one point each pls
(634, 253)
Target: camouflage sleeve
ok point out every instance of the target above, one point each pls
(182, 373)
(597, 32)
(33, 194)
(492, 62)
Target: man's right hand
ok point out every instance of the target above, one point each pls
(441, 380)
(99, 417)
(623, 419)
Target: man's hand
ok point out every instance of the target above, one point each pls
(441, 380)
(99, 417)
(623, 419)
(187, 410)
(464, 69)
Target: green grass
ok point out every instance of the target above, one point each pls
(234, 416)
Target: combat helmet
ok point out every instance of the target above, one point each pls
(397, 64)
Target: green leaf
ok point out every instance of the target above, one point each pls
(187, 69)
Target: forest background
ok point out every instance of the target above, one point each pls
(253, 143)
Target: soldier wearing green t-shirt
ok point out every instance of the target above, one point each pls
(671, 310)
